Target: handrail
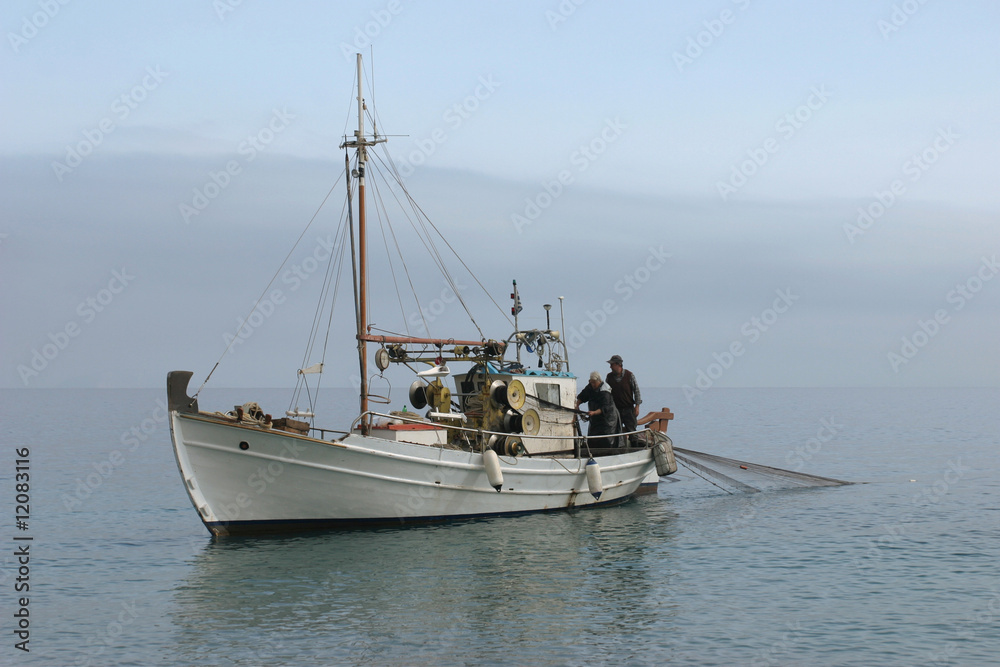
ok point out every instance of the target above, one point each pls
(324, 431)
(415, 420)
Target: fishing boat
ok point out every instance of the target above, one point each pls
(503, 439)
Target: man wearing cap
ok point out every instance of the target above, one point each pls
(625, 392)
(604, 419)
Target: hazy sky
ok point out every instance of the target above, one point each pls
(727, 192)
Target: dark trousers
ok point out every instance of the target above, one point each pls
(628, 421)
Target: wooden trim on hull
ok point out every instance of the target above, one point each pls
(646, 489)
(215, 419)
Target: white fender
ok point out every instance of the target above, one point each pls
(492, 464)
(594, 479)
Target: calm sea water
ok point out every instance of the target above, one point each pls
(901, 570)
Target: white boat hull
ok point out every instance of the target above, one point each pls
(244, 479)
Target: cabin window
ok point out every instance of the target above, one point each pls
(548, 391)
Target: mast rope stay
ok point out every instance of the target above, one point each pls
(380, 209)
(428, 242)
(268, 287)
(423, 220)
(391, 166)
(328, 294)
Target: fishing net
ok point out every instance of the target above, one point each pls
(732, 475)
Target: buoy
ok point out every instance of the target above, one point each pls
(744, 467)
(492, 464)
(663, 457)
(593, 479)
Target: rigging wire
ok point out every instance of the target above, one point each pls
(264, 293)
(328, 295)
(381, 202)
(351, 106)
(333, 261)
(391, 166)
(421, 233)
(428, 241)
(383, 223)
(336, 290)
(442, 266)
(334, 267)
(420, 215)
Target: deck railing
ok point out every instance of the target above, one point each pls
(483, 435)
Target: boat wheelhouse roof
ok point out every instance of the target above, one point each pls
(514, 368)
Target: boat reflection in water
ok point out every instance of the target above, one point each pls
(475, 591)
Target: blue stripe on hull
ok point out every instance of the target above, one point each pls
(304, 525)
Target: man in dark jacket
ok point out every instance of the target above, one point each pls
(604, 419)
(625, 391)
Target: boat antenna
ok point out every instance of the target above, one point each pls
(371, 57)
(514, 310)
(562, 323)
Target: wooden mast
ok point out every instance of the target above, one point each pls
(362, 254)
(361, 144)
